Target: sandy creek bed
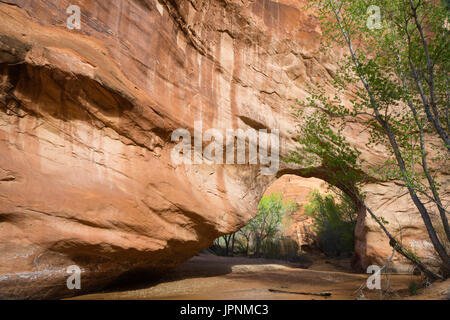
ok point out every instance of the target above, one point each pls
(211, 277)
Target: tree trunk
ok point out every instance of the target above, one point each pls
(393, 142)
(232, 244)
(248, 244)
(227, 243)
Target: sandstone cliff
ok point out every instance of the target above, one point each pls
(86, 118)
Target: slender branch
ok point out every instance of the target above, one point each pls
(423, 152)
(401, 163)
(432, 102)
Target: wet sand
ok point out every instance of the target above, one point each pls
(211, 277)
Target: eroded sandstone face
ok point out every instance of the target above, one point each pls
(86, 118)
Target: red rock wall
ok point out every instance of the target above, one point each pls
(86, 118)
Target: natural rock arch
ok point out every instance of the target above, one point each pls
(85, 123)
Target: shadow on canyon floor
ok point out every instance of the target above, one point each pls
(204, 265)
(211, 277)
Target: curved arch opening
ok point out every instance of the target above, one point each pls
(299, 219)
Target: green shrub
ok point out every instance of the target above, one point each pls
(284, 248)
(273, 216)
(334, 223)
(413, 287)
(263, 234)
(271, 249)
